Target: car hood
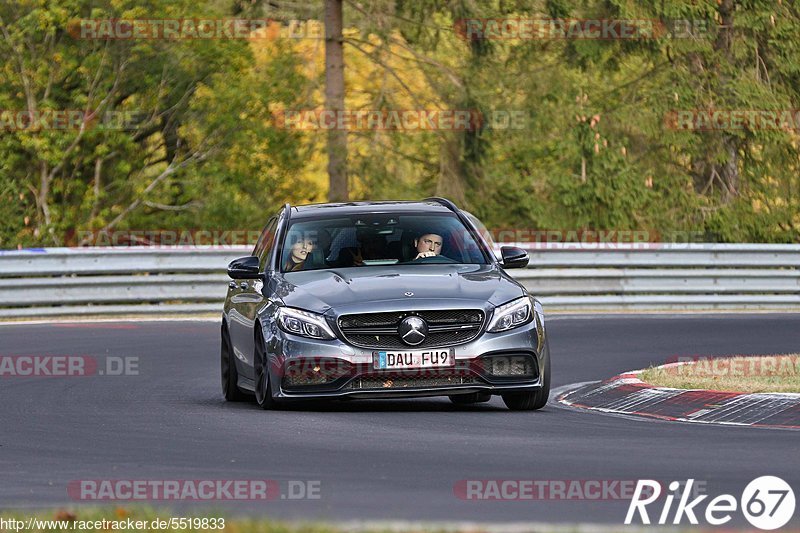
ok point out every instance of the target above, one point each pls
(348, 289)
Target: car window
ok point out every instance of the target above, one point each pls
(378, 240)
(484, 232)
(265, 243)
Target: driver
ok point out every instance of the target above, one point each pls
(428, 245)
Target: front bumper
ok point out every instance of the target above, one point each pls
(469, 375)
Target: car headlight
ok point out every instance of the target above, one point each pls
(511, 315)
(303, 323)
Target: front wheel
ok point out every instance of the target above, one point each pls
(228, 372)
(532, 400)
(263, 385)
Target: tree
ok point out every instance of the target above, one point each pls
(334, 100)
(157, 163)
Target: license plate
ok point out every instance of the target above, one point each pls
(394, 360)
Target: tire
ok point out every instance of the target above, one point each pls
(469, 399)
(263, 385)
(228, 372)
(533, 400)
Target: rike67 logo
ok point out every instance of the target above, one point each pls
(767, 503)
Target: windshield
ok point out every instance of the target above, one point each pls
(378, 240)
(482, 230)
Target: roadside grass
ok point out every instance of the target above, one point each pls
(117, 517)
(765, 373)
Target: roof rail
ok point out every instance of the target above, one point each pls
(443, 201)
(288, 208)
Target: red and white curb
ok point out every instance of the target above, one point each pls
(626, 394)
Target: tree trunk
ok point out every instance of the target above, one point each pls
(98, 170)
(718, 167)
(334, 100)
(44, 193)
(450, 183)
(729, 170)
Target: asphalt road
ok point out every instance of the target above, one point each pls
(389, 459)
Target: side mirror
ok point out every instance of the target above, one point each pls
(514, 257)
(244, 268)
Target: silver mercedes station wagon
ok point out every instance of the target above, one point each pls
(381, 300)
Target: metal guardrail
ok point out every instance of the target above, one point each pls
(138, 280)
(665, 276)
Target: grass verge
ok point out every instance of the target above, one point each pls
(144, 519)
(765, 373)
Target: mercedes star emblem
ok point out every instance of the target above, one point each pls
(413, 330)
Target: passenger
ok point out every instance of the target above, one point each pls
(428, 245)
(301, 247)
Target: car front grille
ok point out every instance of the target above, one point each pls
(379, 330)
(405, 382)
